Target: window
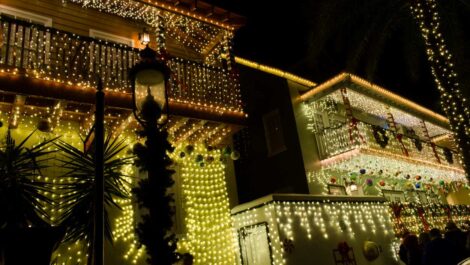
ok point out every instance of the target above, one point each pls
(273, 132)
(24, 15)
(35, 54)
(111, 37)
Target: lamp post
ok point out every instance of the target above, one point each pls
(149, 80)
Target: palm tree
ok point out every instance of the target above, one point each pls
(77, 190)
(24, 221)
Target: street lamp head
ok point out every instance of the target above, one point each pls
(149, 78)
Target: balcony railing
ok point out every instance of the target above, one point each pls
(52, 54)
(335, 141)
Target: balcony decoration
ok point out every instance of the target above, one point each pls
(418, 144)
(358, 145)
(393, 128)
(61, 57)
(449, 156)
(428, 139)
(182, 25)
(349, 115)
(416, 218)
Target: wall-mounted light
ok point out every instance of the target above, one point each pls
(144, 37)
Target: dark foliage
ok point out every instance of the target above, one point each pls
(26, 237)
(154, 231)
(78, 187)
(22, 198)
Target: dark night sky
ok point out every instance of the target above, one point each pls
(318, 39)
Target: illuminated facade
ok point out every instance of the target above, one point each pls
(375, 164)
(368, 138)
(51, 54)
(345, 136)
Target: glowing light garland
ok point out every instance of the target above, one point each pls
(317, 220)
(49, 54)
(124, 226)
(210, 236)
(328, 86)
(454, 104)
(417, 218)
(73, 253)
(155, 17)
(344, 151)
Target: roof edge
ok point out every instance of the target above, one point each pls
(401, 101)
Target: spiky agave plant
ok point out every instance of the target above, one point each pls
(78, 185)
(22, 189)
(24, 198)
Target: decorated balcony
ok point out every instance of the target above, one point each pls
(362, 138)
(43, 61)
(48, 80)
(369, 139)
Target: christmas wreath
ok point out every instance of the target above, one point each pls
(380, 136)
(449, 156)
(418, 144)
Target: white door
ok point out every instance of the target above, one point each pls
(254, 245)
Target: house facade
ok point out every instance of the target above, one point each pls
(51, 56)
(374, 163)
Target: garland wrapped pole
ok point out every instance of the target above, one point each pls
(453, 102)
(151, 194)
(154, 231)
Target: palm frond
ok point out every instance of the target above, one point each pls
(77, 189)
(22, 194)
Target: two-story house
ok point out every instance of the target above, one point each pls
(53, 51)
(349, 167)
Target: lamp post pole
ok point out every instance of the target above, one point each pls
(98, 229)
(149, 79)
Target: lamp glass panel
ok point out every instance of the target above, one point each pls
(154, 80)
(145, 38)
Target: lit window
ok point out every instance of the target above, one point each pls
(111, 37)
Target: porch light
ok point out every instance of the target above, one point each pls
(144, 37)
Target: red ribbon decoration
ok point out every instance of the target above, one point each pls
(399, 137)
(353, 126)
(433, 146)
(352, 120)
(421, 212)
(448, 213)
(397, 208)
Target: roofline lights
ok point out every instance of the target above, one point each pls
(275, 71)
(374, 88)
